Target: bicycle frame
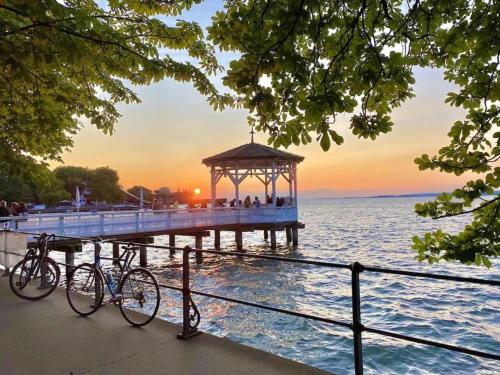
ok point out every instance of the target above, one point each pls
(126, 258)
(42, 248)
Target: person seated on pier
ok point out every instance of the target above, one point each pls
(279, 202)
(257, 202)
(4, 211)
(248, 202)
(269, 200)
(23, 209)
(14, 209)
(232, 203)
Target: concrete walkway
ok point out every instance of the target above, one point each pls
(47, 337)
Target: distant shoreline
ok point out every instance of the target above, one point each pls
(412, 195)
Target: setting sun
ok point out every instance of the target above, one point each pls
(197, 191)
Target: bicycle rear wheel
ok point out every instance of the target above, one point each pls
(140, 297)
(85, 289)
(33, 281)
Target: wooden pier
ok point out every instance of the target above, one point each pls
(271, 215)
(46, 337)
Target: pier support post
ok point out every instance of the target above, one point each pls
(199, 245)
(295, 235)
(143, 256)
(70, 262)
(273, 239)
(217, 239)
(171, 243)
(288, 231)
(238, 235)
(116, 252)
(266, 235)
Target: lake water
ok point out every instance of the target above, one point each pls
(373, 232)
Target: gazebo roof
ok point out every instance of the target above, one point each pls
(252, 151)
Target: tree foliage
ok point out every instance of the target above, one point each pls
(65, 60)
(102, 183)
(304, 62)
(72, 177)
(16, 188)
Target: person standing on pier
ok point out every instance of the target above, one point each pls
(4, 211)
(248, 202)
(14, 209)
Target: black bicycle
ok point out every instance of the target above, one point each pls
(135, 290)
(37, 275)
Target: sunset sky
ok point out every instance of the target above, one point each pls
(161, 142)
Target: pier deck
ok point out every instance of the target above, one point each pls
(46, 337)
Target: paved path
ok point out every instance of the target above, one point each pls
(46, 337)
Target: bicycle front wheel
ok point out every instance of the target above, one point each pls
(140, 297)
(85, 289)
(32, 280)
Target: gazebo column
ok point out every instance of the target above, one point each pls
(290, 184)
(237, 187)
(266, 186)
(273, 181)
(294, 168)
(213, 187)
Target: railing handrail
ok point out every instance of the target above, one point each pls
(290, 260)
(144, 211)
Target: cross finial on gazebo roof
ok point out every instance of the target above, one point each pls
(252, 132)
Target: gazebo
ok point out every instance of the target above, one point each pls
(267, 164)
(255, 160)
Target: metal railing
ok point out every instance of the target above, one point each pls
(111, 223)
(192, 315)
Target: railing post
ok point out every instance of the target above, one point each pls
(188, 329)
(97, 260)
(101, 222)
(61, 225)
(357, 327)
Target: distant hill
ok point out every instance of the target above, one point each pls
(413, 195)
(410, 195)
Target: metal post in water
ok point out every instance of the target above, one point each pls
(295, 236)
(273, 239)
(199, 246)
(143, 256)
(217, 239)
(171, 243)
(239, 240)
(357, 327)
(116, 253)
(288, 231)
(70, 261)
